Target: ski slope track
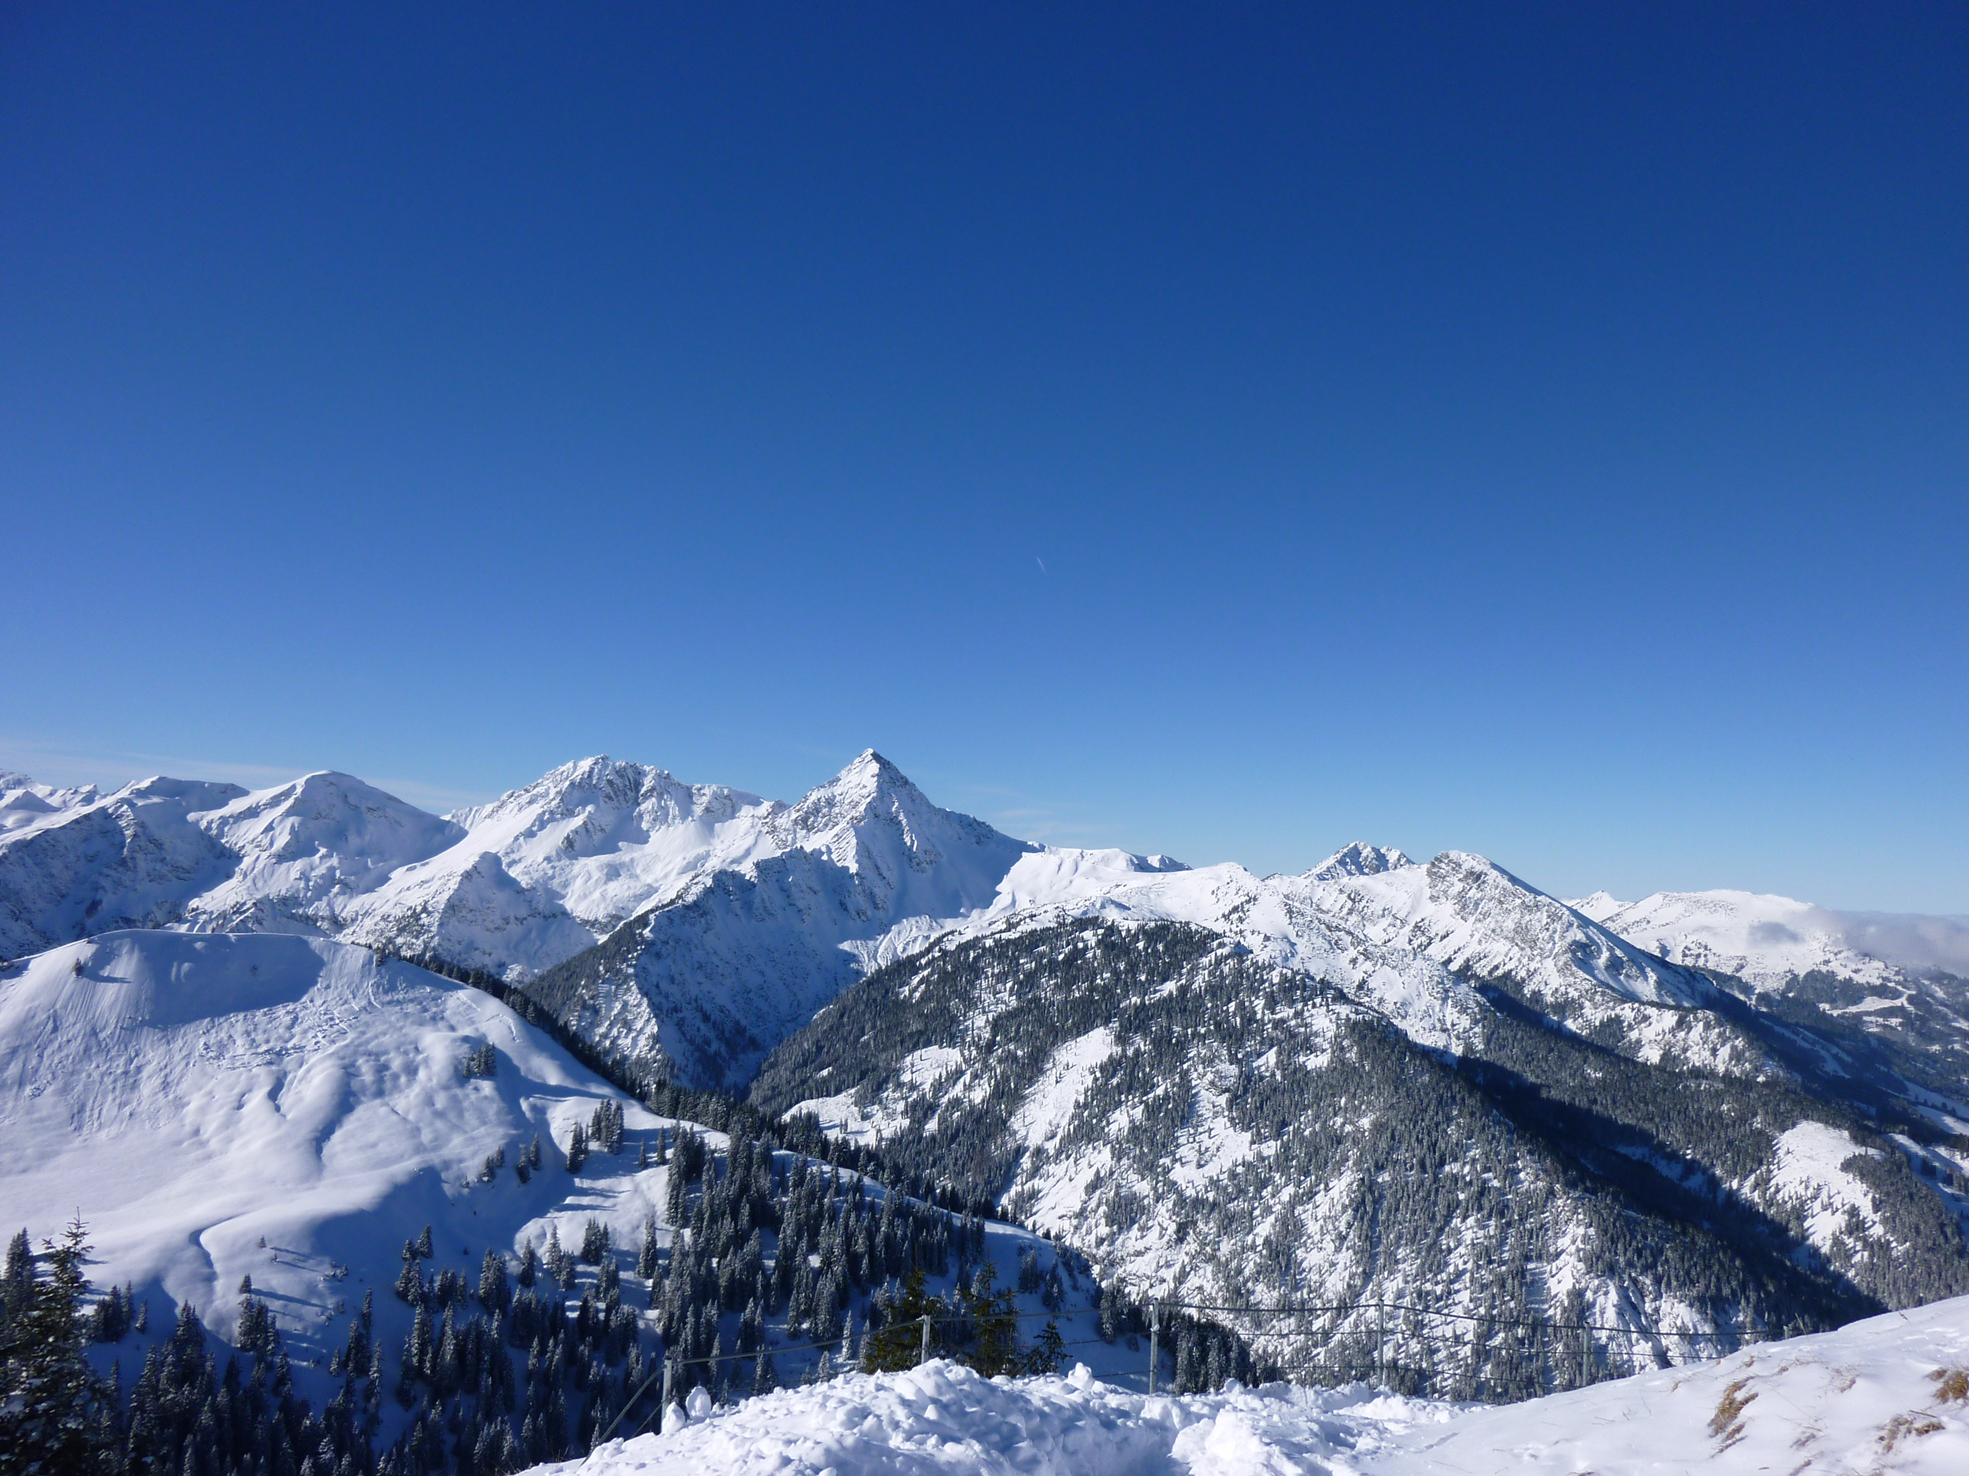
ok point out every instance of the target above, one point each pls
(1879, 1396)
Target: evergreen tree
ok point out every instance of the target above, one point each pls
(675, 1204)
(594, 1241)
(410, 1284)
(577, 1149)
(1047, 1350)
(53, 1409)
(898, 1343)
(989, 1311)
(494, 1294)
(17, 1281)
(1053, 1295)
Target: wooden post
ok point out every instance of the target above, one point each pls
(669, 1372)
(1155, 1326)
(924, 1356)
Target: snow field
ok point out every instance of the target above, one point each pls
(1890, 1394)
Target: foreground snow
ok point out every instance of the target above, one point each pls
(944, 1418)
(1882, 1395)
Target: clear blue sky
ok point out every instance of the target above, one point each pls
(1228, 431)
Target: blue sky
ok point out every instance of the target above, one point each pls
(1228, 431)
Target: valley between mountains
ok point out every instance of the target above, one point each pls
(1434, 1113)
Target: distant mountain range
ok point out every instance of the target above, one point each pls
(1378, 1080)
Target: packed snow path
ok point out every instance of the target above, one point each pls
(1890, 1394)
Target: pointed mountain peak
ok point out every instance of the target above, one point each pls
(869, 795)
(868, 786)
(875, 777)
(1360, 859)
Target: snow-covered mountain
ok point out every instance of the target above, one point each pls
(707, 979)
(24, 803)
(1901, 982)
(202, 857)
(1379, 1080)
(546, 871)
(683, 930)
(745, 914)
(1883, 1395)
(1202, 1121)
(511, 887)
(1418, 942)
(277, 1117)
(134, 858)
(1766, 941)
(219, 1106)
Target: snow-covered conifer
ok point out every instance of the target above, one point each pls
(594, 1241)
(54, 1405)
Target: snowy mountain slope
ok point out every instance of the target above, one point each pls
(24, 803)
(1484, 924)
(194, 1094)
(133, 858)
(1897, 982)
(288, 1109)
(701, 986)
(725, 920)
(1415, 941)
(1883, 1395)
(1766, 941)
(204, 857)
(546, 871)
(1201, 1120)
(307, 850)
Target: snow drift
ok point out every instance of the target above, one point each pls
(1887, 1394)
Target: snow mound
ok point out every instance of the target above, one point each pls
(1884, 1395)
(942, 1417)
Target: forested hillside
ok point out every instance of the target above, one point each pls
(1208, 1124)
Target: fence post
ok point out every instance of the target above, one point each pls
(669, 1373)
(1381, 1343)
(923, 1357)
(1155, 1327)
